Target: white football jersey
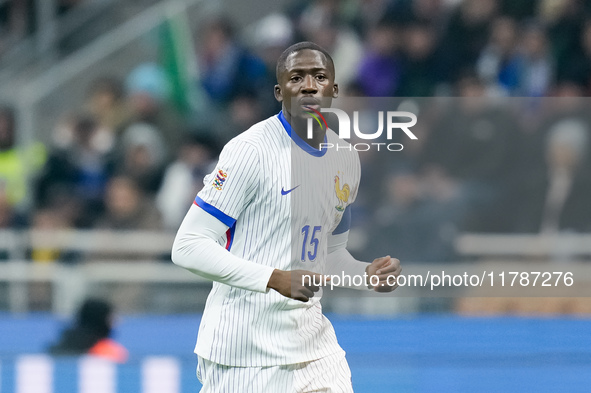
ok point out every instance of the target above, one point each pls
(280, 199)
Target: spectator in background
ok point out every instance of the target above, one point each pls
(474, 142)
(19, 18)
(45, 223)
(379, 71)
(557, 198)
(429, 12)
(369, 13)
(578, 67)
(336, 26)
(465, 35)
(15, 22)
(269, 36)
(564, 21)
(534, 64)
(128, 208)
(244, 111)
(18, 165)
(183, 179)
(77, 171)
(340, 40)
(148, 93)
(227, 68)
(90, 335)
(519, 10)
(497, 64)
(9, 218)
(423, 224)
(142, 157)
(420, 66)
(106, 102)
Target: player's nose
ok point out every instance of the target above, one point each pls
(309, 85)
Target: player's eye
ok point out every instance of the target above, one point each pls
(321, 77)
(295, 78)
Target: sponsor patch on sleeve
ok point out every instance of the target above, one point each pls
(219, 180)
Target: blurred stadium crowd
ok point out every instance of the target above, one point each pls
(18, 19)
(133, 156)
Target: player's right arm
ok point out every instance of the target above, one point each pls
(196, 249)
(227, 192)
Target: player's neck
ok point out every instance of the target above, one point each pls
(300, 127)
(317, 135)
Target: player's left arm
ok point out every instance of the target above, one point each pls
(341, 262)
(382, 271)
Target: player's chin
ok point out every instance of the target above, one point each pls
(302, 115)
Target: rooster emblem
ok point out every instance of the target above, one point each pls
(342, 193)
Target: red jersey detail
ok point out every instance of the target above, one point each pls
(229, 239)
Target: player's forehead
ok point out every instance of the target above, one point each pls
(306, 60)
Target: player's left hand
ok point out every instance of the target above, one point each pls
(383, 268)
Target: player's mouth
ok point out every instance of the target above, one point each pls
(310, 103)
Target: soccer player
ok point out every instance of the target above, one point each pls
(270, 222)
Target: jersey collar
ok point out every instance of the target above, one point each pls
(299, 141)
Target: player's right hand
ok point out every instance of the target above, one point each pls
(297, 284)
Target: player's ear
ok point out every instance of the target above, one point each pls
(278, 93)
(335, 90)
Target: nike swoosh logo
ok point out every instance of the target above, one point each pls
(283, 192)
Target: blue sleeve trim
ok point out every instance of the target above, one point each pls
(345, 223)
(214, 211)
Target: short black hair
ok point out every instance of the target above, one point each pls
(299, 47)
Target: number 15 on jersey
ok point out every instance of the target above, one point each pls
(310, 247)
